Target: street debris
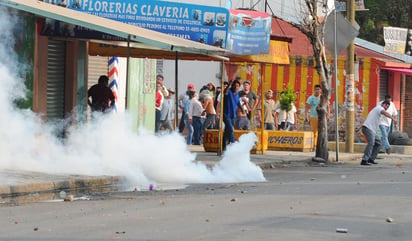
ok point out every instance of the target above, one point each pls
(69, 198)
(233, 200)
(341, 230)
(389, 220)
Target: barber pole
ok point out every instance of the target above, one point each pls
(113, 77)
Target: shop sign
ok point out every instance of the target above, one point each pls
(395, 40)
(199, 23)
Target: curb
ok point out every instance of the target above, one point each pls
(90, 184)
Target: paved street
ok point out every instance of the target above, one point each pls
(299, 201)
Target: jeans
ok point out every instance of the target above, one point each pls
(182, 122)
(229, 135)
(385, 132)
(373, 146)
(189, 127)
(197, 130)
(269, 126)
(209, 122)
(157, 120)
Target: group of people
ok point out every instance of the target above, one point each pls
(380, 117)
(164, 106)
(199, 109)
(276, 118)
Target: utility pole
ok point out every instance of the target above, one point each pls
(350, 83)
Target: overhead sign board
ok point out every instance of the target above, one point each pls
(340, 5)
(249, 32)
(395, 40)
(203, 24)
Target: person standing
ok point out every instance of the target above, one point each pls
(281, 116)
(195, 115)
(386, 123)
(269, 111)
(209, 109)
(242, 122)
(253, 99)
(102, 98)
(291, 117)
(311, 104)
(188, 124)
(158, 106)
(369, 128)
(167, 112)
(230, 104)
(182, 101)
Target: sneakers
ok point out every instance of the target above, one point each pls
(365, 163)
(368, 163)
(372, 161)
(388, 151)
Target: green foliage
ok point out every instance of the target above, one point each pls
(287, 98)
(383, 13)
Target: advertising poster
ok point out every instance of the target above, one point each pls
(249, 32)
(198, 23)
(340, 5)
(395, 40)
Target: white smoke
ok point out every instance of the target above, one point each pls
(106, 146)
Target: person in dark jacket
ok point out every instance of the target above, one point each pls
(102, 98)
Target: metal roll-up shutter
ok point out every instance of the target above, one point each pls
(383, 83)
(97, 66)
(56, 79)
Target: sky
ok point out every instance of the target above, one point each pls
(104, 146)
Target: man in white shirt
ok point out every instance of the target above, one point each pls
(369, 128)
(195, 115)
(386, 123)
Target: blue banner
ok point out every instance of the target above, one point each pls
(249, 32)
(203, 24)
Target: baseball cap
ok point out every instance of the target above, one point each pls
(190, 86)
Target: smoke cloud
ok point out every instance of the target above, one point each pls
(106, 146)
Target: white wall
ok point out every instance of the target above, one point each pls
(198, 73)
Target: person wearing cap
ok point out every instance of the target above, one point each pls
(167, 112)
(369, 129)
(253, 99)
(269, 111)
(386, 123)
(210, 87)
(182, 101)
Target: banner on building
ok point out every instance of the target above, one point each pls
(249, 32)
(340, 5)
(395, 40)
(199, 23)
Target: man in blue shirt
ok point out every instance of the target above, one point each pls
(230, 104)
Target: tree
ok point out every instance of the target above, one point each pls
(313, 26)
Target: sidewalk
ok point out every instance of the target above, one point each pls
(17, 183)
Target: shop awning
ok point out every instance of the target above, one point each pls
(399, 70)
(134, 33)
